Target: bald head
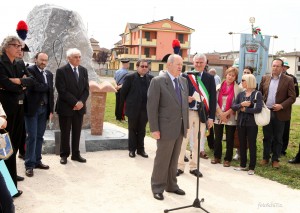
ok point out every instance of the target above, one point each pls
(174, 65)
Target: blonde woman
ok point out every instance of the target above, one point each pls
(248, 103)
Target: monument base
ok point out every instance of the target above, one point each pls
(113, 138)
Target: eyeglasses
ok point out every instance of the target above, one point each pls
(17, 46)
(247, 72)
(143, 66)
(243, 80)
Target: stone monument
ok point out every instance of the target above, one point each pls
(53, 30)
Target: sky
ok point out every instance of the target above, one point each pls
(212, 20)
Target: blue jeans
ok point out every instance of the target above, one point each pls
(35, 129)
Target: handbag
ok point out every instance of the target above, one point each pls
(262, 118)
(6, 149)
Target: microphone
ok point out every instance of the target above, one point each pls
(192, 72)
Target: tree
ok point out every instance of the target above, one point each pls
(102, 56)
(279, 53)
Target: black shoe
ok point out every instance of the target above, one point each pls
(143, 154)
(41, 166)
(21, 156)
(79, 159)
(158, 196)
(18, 194)
(63, 160)
(132, 154)
(186, 159)
(178, 192)
(196, 172)
(294, 161)
(179, 172)
(29, 172)
(19, 178)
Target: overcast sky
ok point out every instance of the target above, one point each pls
(212, 20)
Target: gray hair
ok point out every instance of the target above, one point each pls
(8, 40)
(200, 55)
(73, 51)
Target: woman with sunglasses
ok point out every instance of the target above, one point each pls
(247, 104)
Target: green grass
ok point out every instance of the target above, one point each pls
(287, 174)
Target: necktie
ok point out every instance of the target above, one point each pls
(177, 90)
(76, 74)
(44, 77)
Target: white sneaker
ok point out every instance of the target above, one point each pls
(240, 169)
(236, 157)
(251, 172)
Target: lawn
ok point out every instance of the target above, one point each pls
(288, 174)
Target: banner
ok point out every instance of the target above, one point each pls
(254, 50)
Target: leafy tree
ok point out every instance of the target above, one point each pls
(102, 56)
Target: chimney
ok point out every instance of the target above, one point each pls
(172, 18)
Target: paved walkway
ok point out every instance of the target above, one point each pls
(111, 182)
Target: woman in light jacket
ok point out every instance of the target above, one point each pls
(247, 104)
(227, 93)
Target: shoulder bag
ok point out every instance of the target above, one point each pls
(262, 118)
(6, 149)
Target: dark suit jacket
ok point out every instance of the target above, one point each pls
(69, 91)
(210, 85)
(131, 93)
(285, 95)
(11, 93)
(164, 111)
(34, 94)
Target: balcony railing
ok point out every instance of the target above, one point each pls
(148, 43)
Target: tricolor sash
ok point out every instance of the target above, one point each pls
(201, 90)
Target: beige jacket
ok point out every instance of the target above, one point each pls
(2, 115)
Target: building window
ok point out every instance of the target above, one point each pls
(147, 52)
(160, 67)
(131, 66)
(183, 68)
(180, 38)
(298, 68)
(147, 36)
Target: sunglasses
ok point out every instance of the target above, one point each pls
(143, 66)
(247, 72)
(243, 80)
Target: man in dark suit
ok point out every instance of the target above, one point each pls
(279, 94)
(134, 93)
(13, 82)
(39, 104)
(167, 109)
(199, 82)
(72, 85)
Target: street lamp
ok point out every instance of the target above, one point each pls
(252, 21)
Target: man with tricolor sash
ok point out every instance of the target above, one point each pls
(202, 92)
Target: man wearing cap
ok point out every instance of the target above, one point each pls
(119, 78)
(38, 109)
(134, 93)
(286, 133)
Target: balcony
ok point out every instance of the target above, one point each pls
(185, 44)
(148, 43)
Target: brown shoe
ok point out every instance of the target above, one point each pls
(215, 161)
(226, 163)
(203, 155)
(275, 164)
(264, 162)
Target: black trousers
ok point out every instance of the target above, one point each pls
(22, 144)
(211, 138)
(15, 125)
(137, 131)
(286, 136)
(118, 110)
(248, 134)
(67, 123)
(229, 141)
